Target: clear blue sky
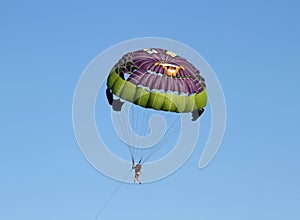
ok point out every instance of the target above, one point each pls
(253, 47)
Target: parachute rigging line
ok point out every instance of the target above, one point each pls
(111, 196)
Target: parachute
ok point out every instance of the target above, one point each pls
(158, 80)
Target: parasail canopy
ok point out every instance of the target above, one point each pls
(158, 79)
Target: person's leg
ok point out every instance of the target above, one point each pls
(135, 178)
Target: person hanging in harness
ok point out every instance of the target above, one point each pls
(137, 169)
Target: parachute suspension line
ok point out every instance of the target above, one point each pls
(130, 147)
(134, 128)
(146, 149)
(132, 123)
(140, 120)
(159, 131)
(139, 123)
(153, 149)
(139, 117)
(136, 118)
(173, 129)
(145, 122)
(112, 195)
(125, 135)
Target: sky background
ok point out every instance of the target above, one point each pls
(253, 47)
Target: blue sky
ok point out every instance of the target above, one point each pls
(253, 47)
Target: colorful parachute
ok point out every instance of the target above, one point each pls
(158, 79)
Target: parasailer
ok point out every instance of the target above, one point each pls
(137, 170)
